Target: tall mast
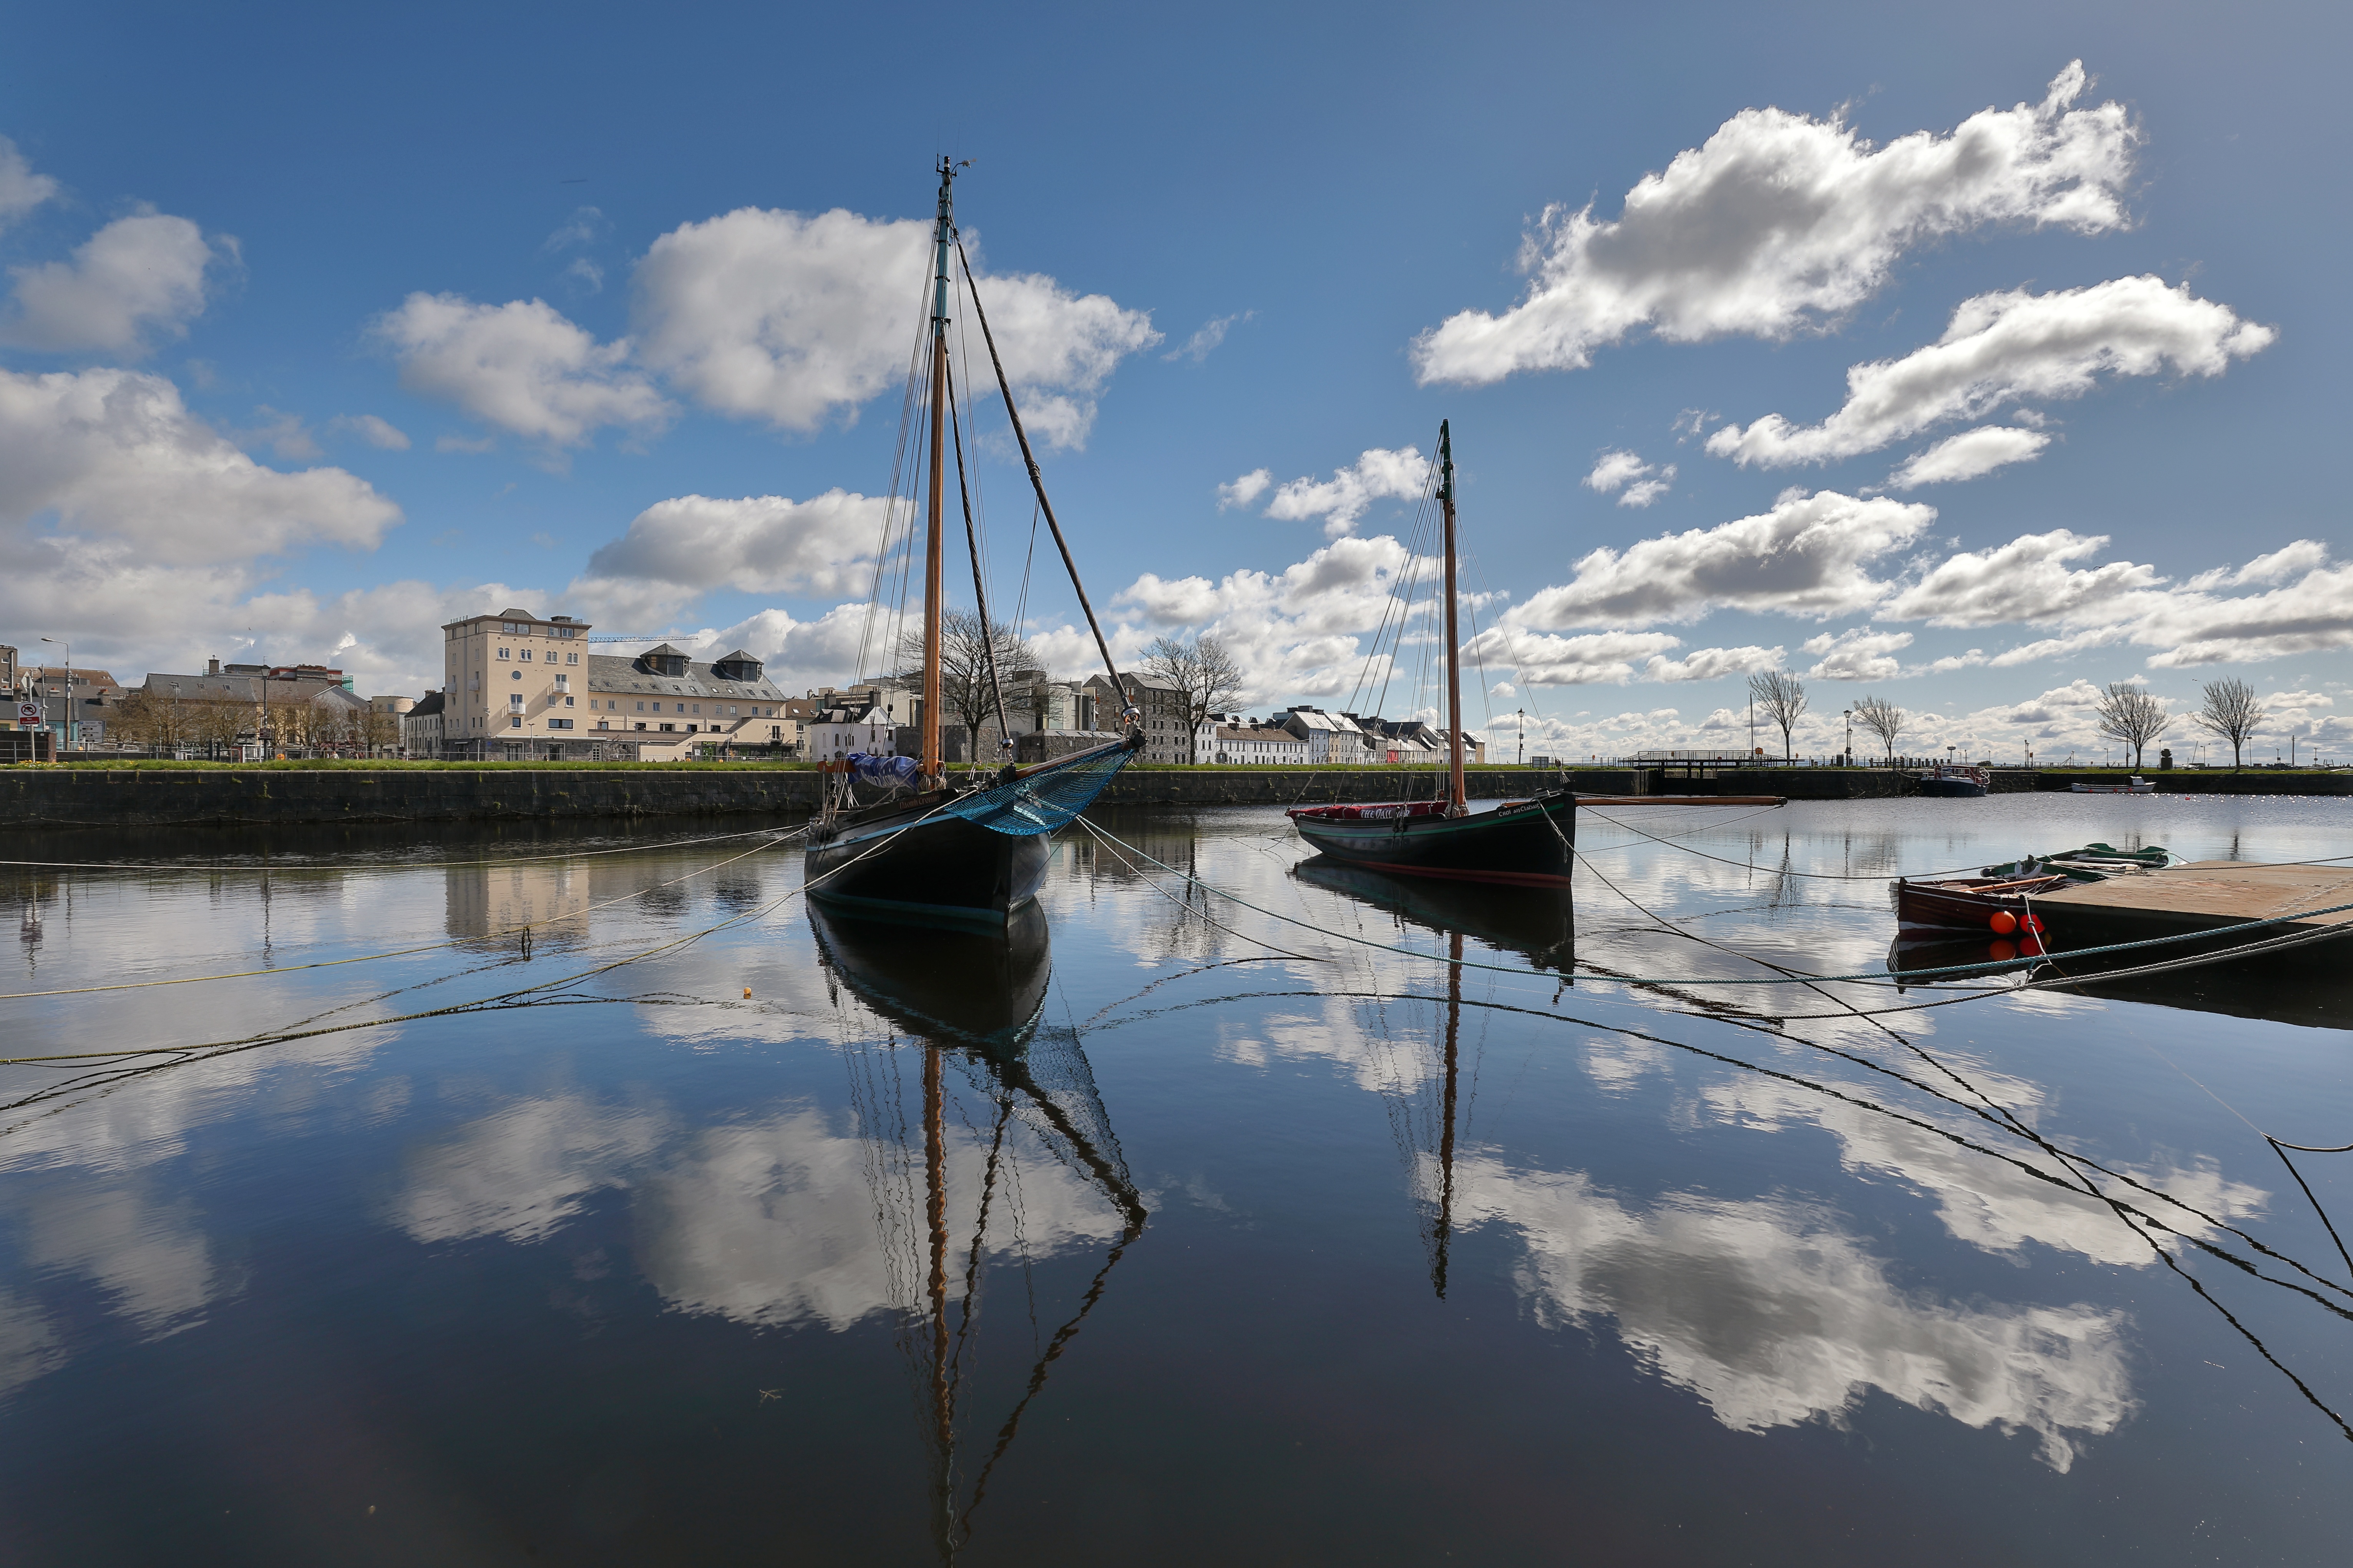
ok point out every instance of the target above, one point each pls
(943, 231)
(1457, 804)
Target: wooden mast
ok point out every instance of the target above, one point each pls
(933, 552)
(1456, 804)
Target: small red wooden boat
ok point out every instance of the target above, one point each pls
(1998, 906)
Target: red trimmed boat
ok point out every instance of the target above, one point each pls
(1523, 842)
(1526, 842)
(1997, 906)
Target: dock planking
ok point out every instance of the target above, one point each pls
(2205, 895)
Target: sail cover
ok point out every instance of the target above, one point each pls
(1045, 800)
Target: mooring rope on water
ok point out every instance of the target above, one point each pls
(1874, 976)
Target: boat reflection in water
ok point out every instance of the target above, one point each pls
(1538, 924)
(2302, 986)
(981, 989)
(973, 1003)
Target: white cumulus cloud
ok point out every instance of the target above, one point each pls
(376, 431)
(1642, 482)
(795, 318)
(1342, 500)
(2004, 346)
(1808, 556)
(116, 452)
(139, 278)
(1968, 456)
(1780, 222)
(758, 544)
(1860, 654)
(21, 190)
(1243, 490)
(2028, 579)
(521, 366)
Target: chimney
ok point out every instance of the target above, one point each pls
(212, 667)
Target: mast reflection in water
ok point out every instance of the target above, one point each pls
(973, 1002)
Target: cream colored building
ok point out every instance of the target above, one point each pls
(519, 687)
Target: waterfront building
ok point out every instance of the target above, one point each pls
(858, 719)
(248, 709)
(517, 687)
(1333, 738)
(1161, 709)
(420, 727)
(1239, 741)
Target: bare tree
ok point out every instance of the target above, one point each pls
(1205, 674)
(2128, 713)
(1883, 719)
(217, 726)
(381, 732)
(2231, 712)
(967, 643)
(1782, 696)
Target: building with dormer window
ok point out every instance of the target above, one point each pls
(519, 687)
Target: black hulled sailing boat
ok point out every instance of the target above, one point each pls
(957, 851)
(1520, 841)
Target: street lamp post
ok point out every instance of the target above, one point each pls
(1524, 736)
(1848, 759)
(69, 712)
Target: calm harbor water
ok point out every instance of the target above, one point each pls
(1172, 1230)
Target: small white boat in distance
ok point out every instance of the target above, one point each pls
(2136, 785)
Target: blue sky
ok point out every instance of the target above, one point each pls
(578, 261)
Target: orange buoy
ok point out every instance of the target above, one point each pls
(2003, 921)
(2001, 952)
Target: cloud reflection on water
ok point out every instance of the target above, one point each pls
(771, 1221)
(1773, 1316)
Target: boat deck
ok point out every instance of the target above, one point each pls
(2200, 895)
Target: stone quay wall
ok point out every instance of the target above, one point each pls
(34, 796)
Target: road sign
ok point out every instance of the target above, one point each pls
(29, 713)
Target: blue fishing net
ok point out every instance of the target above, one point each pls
(1043, 801)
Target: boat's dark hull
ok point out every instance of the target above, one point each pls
(1958, 789)
(1968, 904)
(889, 863)
(1523, 842)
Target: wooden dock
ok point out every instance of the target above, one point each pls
(2205, 895)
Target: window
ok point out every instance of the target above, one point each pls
(526, 656)
(568, 703)
(563, 682)
(681, 707)
(560, 724)
(503, 654)
(515, 701)
(604, 723)
(514, 675)
(691, 728)
(641, 707)
(515, 724)
(571, 658)
(642, 724)
(698, 707)
(667, 728)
